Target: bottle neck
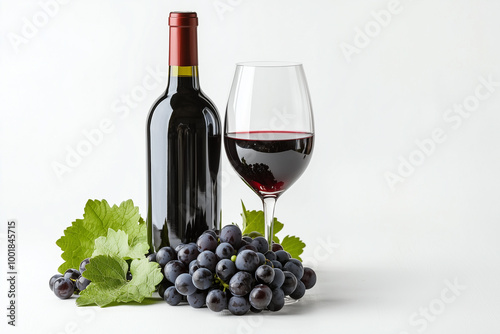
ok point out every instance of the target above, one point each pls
(183, 78)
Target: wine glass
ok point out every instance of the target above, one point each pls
(269, 130)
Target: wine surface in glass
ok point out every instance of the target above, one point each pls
(269, 161)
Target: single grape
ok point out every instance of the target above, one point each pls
(184, 284)
(197, 299)
(178, 247)
(241, 283)
(207, 241)
(247, 260)
(282, 256)
(225, 269)
(260, 296)
(276, 247)
(224, 251)
(299, 291)
(83, 264)
(82, 283)
(173, 269)
(277, 301)
(247, 239)
(261, 244)
(290, 283)
(309, 278)
(172, 296)
(295, 267)
(202, 278)
(193, 266)
(238, 305)
(207, 259)
(152, 257)
(270, 255)
(188, 253)
(277, 264)
(216, 300)
(52, 280)
(232, 235)
(165, 255)
(64, 287)
(262, 258)
(264, 274)
(279, 279)
(72, 274)
(249, 247)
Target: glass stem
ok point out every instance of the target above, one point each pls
(269, 205)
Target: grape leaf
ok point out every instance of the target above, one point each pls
(294, 246)
(109, 283)
(254, 221)
(78, 241)
(116, 244)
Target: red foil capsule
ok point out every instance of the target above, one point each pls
(183, 50)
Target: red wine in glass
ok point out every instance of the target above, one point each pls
(269, 161)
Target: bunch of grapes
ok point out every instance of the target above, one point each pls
(231, 271)
(72, 282)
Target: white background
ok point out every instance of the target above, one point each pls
(383, 254)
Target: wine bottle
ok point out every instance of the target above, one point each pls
(184, 147)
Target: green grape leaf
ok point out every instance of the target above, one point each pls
(294, 246)
(108, 276)
(116, 244)
(78, 241)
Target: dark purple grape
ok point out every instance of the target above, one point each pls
(264, 274)
(83, 264)
(178, 247)
(309, 278)
(207, 241)
(232, 235)
(261, 244)
(72, 274)
(247, 247)
(260, 296)
(188, 253)
(64, 287)
(225, 269)
(262, 258)
(282, 256)
(82, 283)
(207, 259)
(238, 305)
(241, 283)
(276, 247)
(279, 279)
(247, 260)
(295, 267)
(172, 296)
(277, 264)
(290, 283)
(173, 269)
(247, 239)
(152, 257)
(270, 255)
(202, 278)
(216, 300)
(184, 284)
(224, 251)
(277, 301)
(299, 291)
(212, 233)
(165, 255)
(197, 299)
(52, 280)
(193, 266)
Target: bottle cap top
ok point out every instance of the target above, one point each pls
(183, 19)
